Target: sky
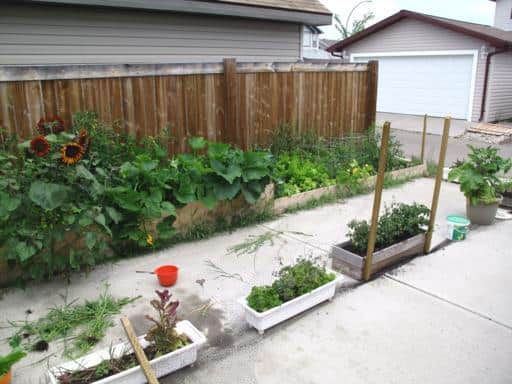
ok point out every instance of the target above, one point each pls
(477, 11)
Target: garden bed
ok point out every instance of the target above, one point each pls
(352, 264)
(283, 204)
(162, 365)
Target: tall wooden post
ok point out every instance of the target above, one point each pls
(231, 131)
(371, 104)
(423, 139)
(437, 187)
(379, 185)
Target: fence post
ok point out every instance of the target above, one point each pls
(437, 187)
(231, 132)
(379, 185)
(371, 89)
(423, 139)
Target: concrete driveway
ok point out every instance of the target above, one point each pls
(413, 123)
(441, 318)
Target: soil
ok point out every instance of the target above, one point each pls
(106, 368)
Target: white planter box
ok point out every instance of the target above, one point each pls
(162, 365)
(264, 320)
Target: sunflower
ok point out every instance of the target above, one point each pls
(149, 240)
(71, 153)
(57, 124)
(53, 125)
(39, 146)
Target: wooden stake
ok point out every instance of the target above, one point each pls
(379, 185)
(437, 187)
(139, 352)
(423, 139)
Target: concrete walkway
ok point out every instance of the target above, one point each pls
(441, 318)
(414, 123)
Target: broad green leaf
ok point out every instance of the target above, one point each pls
(114, 214)
(83, 172)
(252, 191)
(100, 219)
(168, 208)
(165, 228)
(24, 251)
(8, 204)
(48, 195)
(229, 173)
(225, 191)
(197, 143)
(90, 240)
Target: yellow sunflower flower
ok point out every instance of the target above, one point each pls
(71, 153)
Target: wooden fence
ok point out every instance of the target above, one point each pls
(238, 103)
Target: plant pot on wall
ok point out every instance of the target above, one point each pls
(481, 213)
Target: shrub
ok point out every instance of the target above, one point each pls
(399, 222)
(7, 361)
(292, 281)
(478, 176)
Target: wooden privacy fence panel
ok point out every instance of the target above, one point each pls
(240, 103)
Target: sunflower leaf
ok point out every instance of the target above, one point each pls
(48, 195)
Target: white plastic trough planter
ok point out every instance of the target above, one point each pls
(162, 365)
(264, 320)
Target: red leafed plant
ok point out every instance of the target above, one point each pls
(163, 333)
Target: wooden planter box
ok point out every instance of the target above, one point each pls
(352, 264)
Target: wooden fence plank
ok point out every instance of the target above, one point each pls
(238, 107)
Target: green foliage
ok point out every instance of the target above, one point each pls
(85, 323)
(59, 215)
(399, 222)
(292, 281)
(478, 176)
(263, 298)
(294, 174)
(7, 361)
(347, 30)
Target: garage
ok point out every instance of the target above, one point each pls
(439, 85)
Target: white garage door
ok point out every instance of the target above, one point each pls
(436, 85)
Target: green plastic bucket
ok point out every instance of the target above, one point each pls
(457, 227)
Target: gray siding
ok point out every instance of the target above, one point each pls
(415, 35)
(499, 92)
(45, 35)
(502, 14)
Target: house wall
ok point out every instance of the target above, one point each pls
(414, 35)
(50, 34)
(503, 14)
(499, 92)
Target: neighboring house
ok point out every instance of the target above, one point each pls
(312, 46)
(439, 66)
(58, 32)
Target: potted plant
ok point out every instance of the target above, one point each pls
(400, 234)
(169, 346)
(479, 181)
(6, 362)
(296, 289)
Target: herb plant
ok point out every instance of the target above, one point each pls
(479, 175)
(292, 281)
(399, 222)
(163, 334)
(7, 361)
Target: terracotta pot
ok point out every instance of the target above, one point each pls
(6, 379)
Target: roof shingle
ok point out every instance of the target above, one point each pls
(297, 5)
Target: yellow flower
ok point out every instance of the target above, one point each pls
(71, 153)
(149, 240)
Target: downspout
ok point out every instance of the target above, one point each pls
(486, 79)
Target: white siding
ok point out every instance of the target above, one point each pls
(499, 91)
(44, 34)
(414, 35)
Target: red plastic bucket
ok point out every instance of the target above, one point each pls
(167, 275)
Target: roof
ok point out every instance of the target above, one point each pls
(494, 36)
(309, 12)
(297, 5)
(326, 43)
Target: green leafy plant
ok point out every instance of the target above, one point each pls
(163, 334)
(399, 222)
(291, 282)
(7, 361)
(85, 323)
(479, 175)
(263, 298)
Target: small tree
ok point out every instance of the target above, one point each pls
(357, 25)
